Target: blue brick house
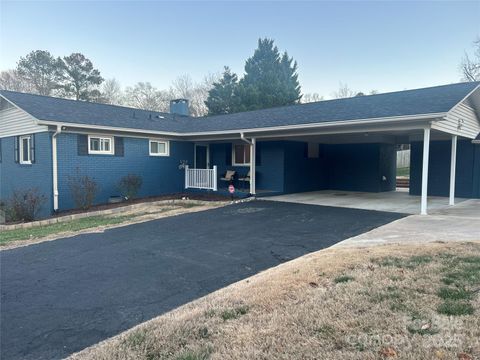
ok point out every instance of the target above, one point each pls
(345, 144)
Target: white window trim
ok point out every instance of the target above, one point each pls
(233, 156)
(167, 147)
(102, 152)
(20, 150)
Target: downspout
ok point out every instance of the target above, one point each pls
(242, 136)
(252, 144)
(55, 167)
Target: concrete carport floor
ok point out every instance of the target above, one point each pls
(456, 223)
(392, 201)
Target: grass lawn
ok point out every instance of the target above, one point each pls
(415, 302)
(69, 226)
(9, 237)
(403, 171)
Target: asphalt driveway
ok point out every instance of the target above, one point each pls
(61, 296)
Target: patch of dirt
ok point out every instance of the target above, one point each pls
(178, 196)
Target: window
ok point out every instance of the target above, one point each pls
(241, 155)
(25, 149)
(100, 145)
(159, 148)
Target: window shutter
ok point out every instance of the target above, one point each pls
(32, 148)
(0, 150)
(305, 150)
(16, 153)
(119, 148)
(258, 156)
(82, 144)
(228, 154)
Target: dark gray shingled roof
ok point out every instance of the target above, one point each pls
(438, 99)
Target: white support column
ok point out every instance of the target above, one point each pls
(453, 163)
(215, 186)
(186, 176)
(426, 150)
(55, 168)
(55, 172)
(252, 166)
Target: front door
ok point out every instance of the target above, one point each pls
(201, 156)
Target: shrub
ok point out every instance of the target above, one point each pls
(129, 186)
(84, 189)
(24, 205)
(343, 279)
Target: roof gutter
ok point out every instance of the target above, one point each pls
(242, 136)
(392, 119)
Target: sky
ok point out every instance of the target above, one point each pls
(383, 46)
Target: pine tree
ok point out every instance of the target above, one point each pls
(222, 98)
(80, 79)
(270, 79)
(41, 71)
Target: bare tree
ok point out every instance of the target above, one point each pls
(343, 92)
(470, 67)
(112, 92)
(11, 80)
(144, 95)
(311, 97)
(196, 93)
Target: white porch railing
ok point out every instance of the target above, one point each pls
(201, 178)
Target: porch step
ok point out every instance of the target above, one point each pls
(403, 182)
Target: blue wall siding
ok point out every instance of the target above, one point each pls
(270, 170)
(467, 183)
(476, 172)
(360, 167)
(303, 173)
(285, 168)
(15, 176)
(160, 175)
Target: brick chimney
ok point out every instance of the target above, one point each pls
(179, 106)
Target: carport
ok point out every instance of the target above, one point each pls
(349, 145)
(361, 166)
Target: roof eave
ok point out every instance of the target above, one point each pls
(258, 131)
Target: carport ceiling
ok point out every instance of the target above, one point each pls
(389, 137)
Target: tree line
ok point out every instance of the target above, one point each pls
(270, 79)
(75, 77)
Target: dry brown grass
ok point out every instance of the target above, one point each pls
(369, 303)
(149, 211)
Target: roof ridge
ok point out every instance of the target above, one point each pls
(248, 111)
(344, 99)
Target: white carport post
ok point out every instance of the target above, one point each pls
(426, 150)
(252, 165)
(453, 163)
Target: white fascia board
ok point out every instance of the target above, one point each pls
(426, 117)
(106, 128)
(236, 132)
